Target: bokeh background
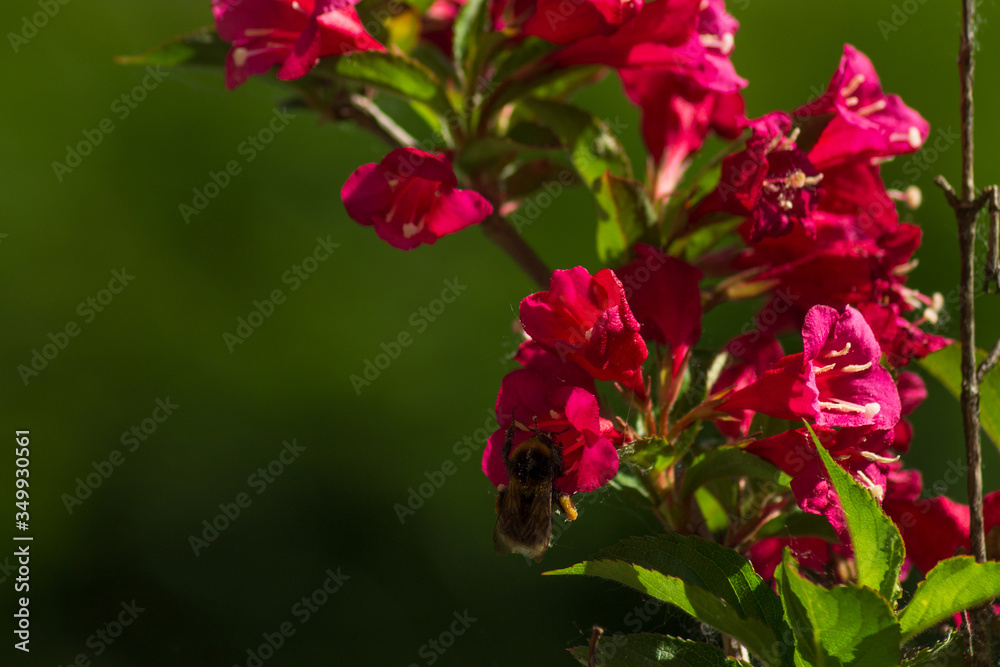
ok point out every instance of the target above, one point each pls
(333, 506)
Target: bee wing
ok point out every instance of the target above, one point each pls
(524, 520)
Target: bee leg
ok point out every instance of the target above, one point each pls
(508, 442)
(500, 491)
(567, 506)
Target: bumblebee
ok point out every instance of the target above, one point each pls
(524, 505)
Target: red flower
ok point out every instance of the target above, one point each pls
(855, 450)
(867, 123)
(293, 34)
(569, 413)
(837, 379)
(772, 181)
(410, 198)
(663, 293)
(811, 552)
(587, 320)
(753, 353)
(565, 22)
(679, 109)
(912, 392)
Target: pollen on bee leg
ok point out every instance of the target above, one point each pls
(567, 507)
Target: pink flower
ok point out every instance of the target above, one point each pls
(753, 354)
(565, 22)
(663, 293)
(438, 23)
(856, 450)
(294, 35)
(410, 198)
(837, 379)
(587, 320)
(771, 181)
(912, 392)
(867, 123)
(811, 552)
(678, 109)
(936, 528)
(568, 413)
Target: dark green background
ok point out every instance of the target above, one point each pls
(333, 507)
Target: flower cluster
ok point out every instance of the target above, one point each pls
(796, 215)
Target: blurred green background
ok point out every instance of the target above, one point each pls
(333, 506)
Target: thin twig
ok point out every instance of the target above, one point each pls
(989, 362)
(991, 282)
(500, 231)
(373, 118)
(966, 208)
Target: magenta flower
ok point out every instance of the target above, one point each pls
(810, 552)
(678, 109)
(934, 528)
(837, 379)
(294, 35)
(569, 414)
(753, 353)
(912, 392)
(562, 22)
(410, 198)
(867, 123)
(437, 24)
(587, 320)
(663, 294)
(771, 181)
(856, 450)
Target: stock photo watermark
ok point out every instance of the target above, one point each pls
(433, 649)
(121, 107)
(464, 449)
(58, 341)
(103, 469)
(294, 276)
(248, 150)
(106, 635)
(259, 481)
(419, 320)
(303, 610)
(30, 25)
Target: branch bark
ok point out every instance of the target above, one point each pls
(967, 207)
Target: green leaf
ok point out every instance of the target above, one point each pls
(946, 366)
(648, 650)
(953, 585)
(707, 580)
(199, 48)
(470, 24)
(527, 52)
(844, 625)
(797, 523)
(704, 238)
(712, 510)
(624, 213)
(624, 210)
(878, 548)
(730, 462)
(699, 603)
(391, 72)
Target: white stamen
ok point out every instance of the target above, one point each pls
(409, 229)
(937, 301)
(851, 102)
(847, 348)
(240, 55)
(852, 85)
(823, 369)
(856, 368)
(871, 108)
(931, 315)
(914, 137)
(553, 414)
(871, 456)
(869, 410)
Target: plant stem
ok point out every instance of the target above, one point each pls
(506, 237)
(966, 210)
